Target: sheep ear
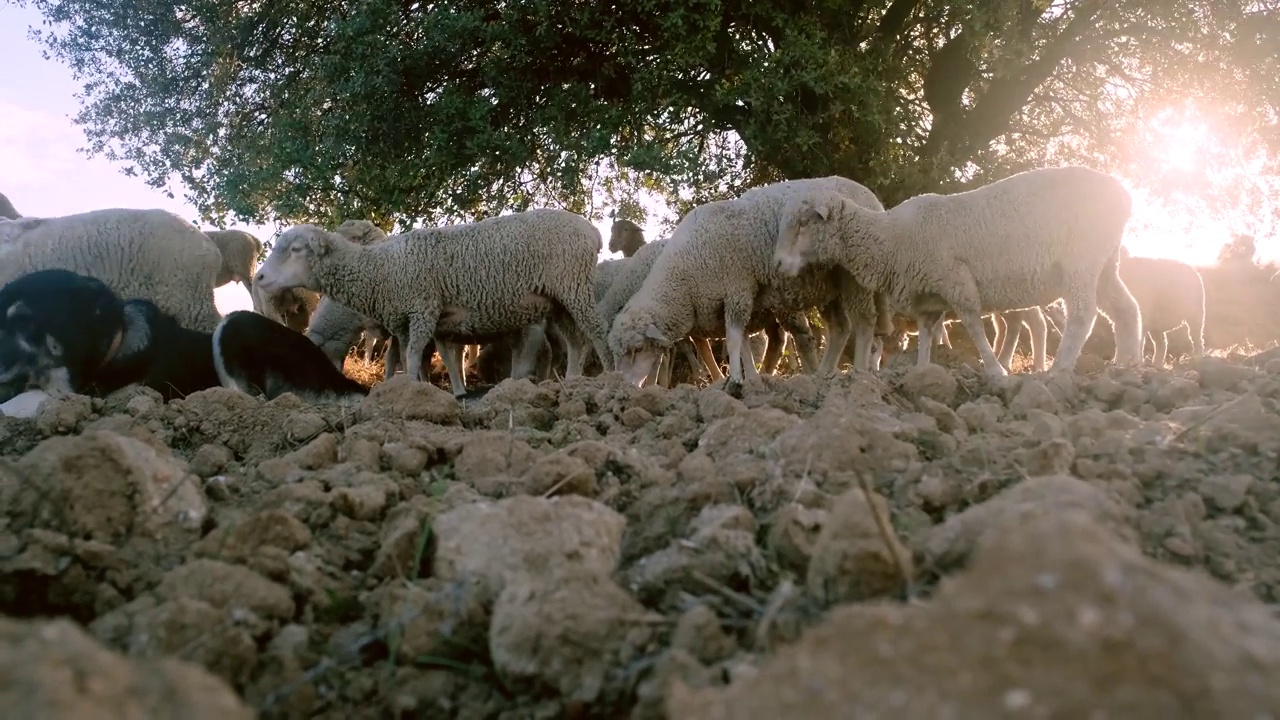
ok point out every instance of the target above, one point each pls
(319, 244)
(651, 332)
(823, 211)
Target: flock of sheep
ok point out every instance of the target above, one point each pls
(760, 262)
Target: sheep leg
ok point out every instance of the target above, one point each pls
(451, 356)
(422, 328)
(580, 305)
(942, 337)
(773, 350)
(1035, 321)
(652, 377)
(703, 346)
(838, 319)
(575, 346)
(1195, 328)
(525, 359)
(393, 357)
(1112, 297)
(1082, 312)
(1001, 324)
(972, 319)
(802, 335)
(748, 358)
(735, 340)
(686, 346)
(664, 374)
(864, 335)
(925, 324)
(1012, 335)
(1161, 344)
(875, 355)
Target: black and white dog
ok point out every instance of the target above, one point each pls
(62, 332)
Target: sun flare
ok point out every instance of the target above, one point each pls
(1181, 144)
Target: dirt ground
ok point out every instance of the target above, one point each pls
(921, 543)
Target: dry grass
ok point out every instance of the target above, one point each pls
(368, 374)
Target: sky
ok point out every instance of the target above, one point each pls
(43, 174)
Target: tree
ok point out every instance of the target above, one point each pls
(423, 111)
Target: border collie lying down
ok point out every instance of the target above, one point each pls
(62, 332)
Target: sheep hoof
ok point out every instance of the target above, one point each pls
(733, 388)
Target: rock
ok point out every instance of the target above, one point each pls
(566, 630)
(402, 398)
(1055, 617)
(950, 544)
(53, 670)
(227, 586)
(522, 534)
(103, 486)
(1226, 492)
(850, 559)
(930, 381)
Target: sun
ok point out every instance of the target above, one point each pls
(1181, 143)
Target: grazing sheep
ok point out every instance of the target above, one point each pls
(1170, 295)
(1020, 242)
(151, 254)
(716, 278)
(7, 211)
(470, 282)
(625, 282)
(62, 332)
(625, 237)
(294, 308)
(239, 252)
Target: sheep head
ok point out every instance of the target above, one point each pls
(239, 251)
(292, 261)
(625, 237)
(56, 327)
(637, 344)
(806, 220)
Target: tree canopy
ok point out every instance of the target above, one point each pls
(427, 112)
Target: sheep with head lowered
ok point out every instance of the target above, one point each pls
(621, 279)
(716, 278)
(149, 254)
(295, 308)
(1016, 243)
(1170, 295)
(472, 280)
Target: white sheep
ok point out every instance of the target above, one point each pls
(624, 279)
(150, 254)
(625, 237)
(469, 281)
(716, 278)
(295, 308)
(239, 251)
(1016, 243)
(1170, 295)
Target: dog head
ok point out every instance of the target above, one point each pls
(56, 328)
